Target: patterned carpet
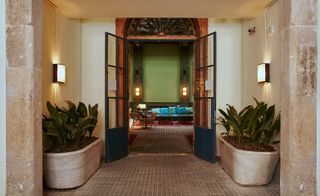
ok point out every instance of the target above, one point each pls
(161, 175)
(162, 139)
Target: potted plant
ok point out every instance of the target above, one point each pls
(71, 153)
(246, 151)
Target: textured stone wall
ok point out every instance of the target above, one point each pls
(24, 138)
(298, 96)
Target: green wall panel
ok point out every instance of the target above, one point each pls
(161, 72)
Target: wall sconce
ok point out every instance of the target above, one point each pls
(59, 73)
(184, 84)
(137, 91)
(184, 91)
(138, 85)
(263, 73)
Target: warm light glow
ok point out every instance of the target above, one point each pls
(184, 91)
(55, 91)
(262, 73)
(137, 93)
(55, 59)
(59, 73)
(267, 90)
(142, 106)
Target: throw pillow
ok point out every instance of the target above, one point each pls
(180, 110)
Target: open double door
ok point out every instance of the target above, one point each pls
(117, 97)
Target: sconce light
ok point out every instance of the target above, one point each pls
(184, 91)
(138, 85)
(184, 84)
(137, 91)
(59, 73)
(263, 73)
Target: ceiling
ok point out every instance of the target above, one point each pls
(161, 8)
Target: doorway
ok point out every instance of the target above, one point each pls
(161, 113)
(203, 85)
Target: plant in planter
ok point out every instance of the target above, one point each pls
(246, 151)
(71, 153)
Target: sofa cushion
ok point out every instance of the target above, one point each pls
(188, 110)
(156, 110)
(164, 111)
(180, 110)
(172, 110)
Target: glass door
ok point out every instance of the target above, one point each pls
(116, 98)
(205, 97)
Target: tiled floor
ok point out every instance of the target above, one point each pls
(155, 173)
(162, 175)
(162, 139)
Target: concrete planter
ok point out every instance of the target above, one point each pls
(71, 169)
(248, 167)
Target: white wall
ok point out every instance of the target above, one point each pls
(3, 63)
(260, 48)
(61, 44)
(229, 34)
(93, 70)
(229, 64)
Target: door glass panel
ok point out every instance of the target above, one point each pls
(210, 47)
(112, 50)
(121, 113)
(210, 82)
(112, 113)
(121, 75)
(203, 52)
(112, 83)
(211, 114)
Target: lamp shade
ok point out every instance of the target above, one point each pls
(263, 73)
(59, 73)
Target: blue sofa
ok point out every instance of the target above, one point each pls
(173, 113)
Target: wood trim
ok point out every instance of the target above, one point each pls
(201, 25)
(156, 37)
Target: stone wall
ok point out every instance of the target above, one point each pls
(24, 138)
(298, 96)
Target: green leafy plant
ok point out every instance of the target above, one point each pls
(255, 124)
(65, 126)
(263, 124)
(235, 123)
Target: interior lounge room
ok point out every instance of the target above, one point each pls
(159, 98)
